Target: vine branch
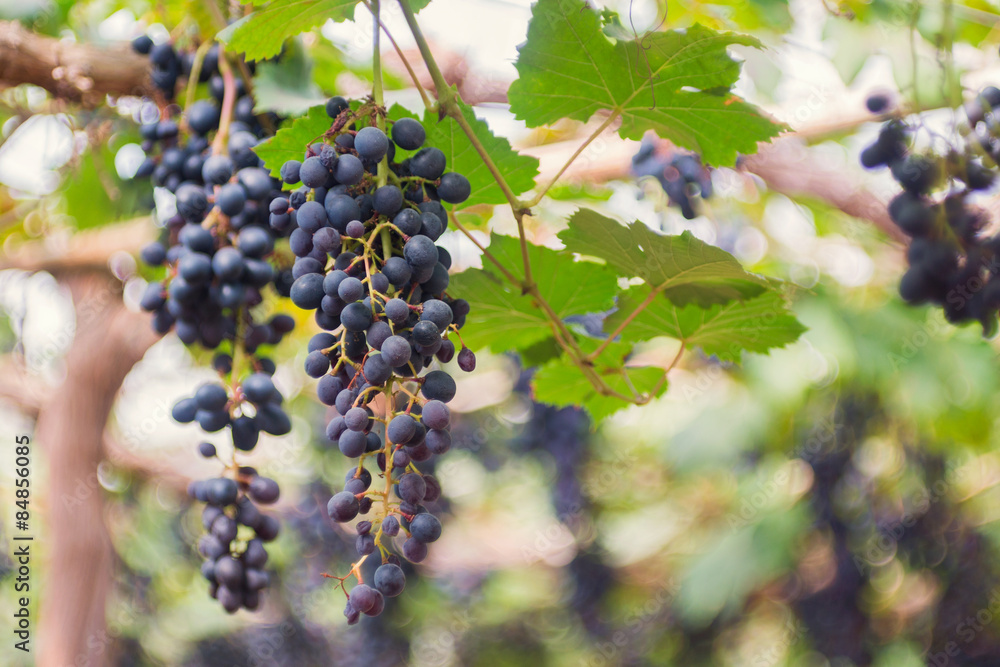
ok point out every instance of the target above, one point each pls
(383, 165)
(628, 320)
(572, 158)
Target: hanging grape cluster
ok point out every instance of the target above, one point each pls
(953, 256)
(367, 264)
(681, 175)
(218, 255)
(234, 563)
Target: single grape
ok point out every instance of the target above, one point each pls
(371, 144)
(264, 490)
(335, 105)
(467, 360)
(408, 134)
(428, 163)
(290, 172)
(438, 385)
(414, 550)
(363, 597)
(389, 579)
(425, 528)
(454, 188)
(342, 507)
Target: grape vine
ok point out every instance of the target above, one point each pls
(341, 211)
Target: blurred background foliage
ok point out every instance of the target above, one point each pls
(833, 503)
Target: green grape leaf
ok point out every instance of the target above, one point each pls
(518, 170)
(725, 330)
(539, 353)
(503, 319)
(677, 83)
(290, 142)
(261, 35)
(683, 268)
(560, 382)
(397, 112)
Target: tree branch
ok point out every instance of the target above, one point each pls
(108, 341)
(87, 250)
(787, 166)
(74, 72)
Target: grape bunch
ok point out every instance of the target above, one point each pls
(952, 257)
(681, 175)
(233, 564)
(219, 239)
(362, 221)
(218, 258)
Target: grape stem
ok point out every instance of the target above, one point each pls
(399, 52)
(228, 101)
(379, 97)
(572, 158)
(653, 293)
(192, 83)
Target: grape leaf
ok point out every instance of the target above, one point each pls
(518, 170)
(560, 382)
(540, 352)
(725, 330)
(290, 142)
(262, 34)
(503, 319)
(683, 268)
(396, 112)
(677, 83)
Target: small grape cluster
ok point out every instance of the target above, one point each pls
(234, 563)
(681, 175)
(257, 401)
(363, 223)
(171, 65)
(233, 567)
(167, 64)
(953, 261)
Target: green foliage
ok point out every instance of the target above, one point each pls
(725, 330)
(503, 319)
(262, 34)
(695, 293)
(676, 83)
(722, 578)
(683, 268)
(290, 142)
(93, 195)
(560, 382)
